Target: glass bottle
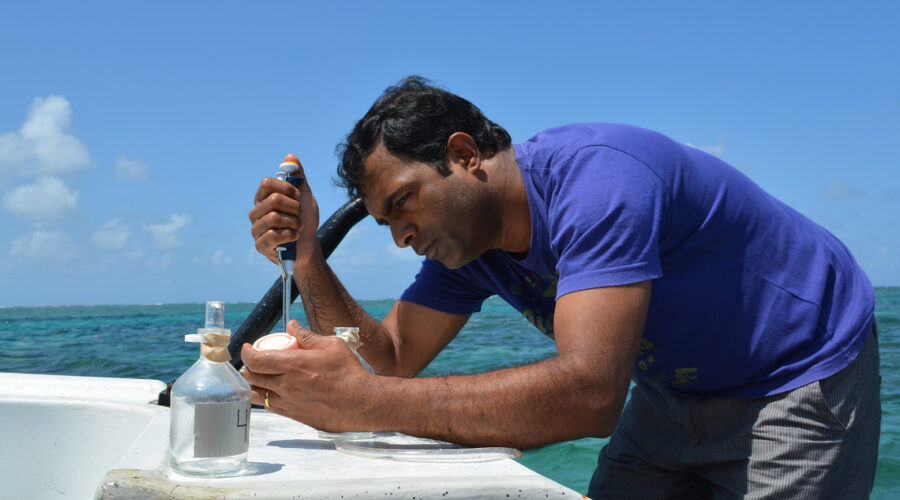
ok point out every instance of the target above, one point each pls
(209, 431)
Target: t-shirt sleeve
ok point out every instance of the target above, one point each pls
(605, 213)
(444, 290)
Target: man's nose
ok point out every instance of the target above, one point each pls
(403, 232)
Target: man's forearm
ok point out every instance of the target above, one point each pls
(328, 304)
(554, 400)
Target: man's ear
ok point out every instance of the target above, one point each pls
(463, 151)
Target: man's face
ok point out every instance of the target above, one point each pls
(446, 219)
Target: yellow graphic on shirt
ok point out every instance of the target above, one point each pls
(539, 314)
(644, 362)
(685, 376)
(644, 358)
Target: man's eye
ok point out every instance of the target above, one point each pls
(402, 201)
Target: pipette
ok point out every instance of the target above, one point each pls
(287, 253)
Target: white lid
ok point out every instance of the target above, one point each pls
(278, 341)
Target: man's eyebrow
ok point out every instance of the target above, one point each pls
(387, 207)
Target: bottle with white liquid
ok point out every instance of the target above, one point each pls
(209, 433)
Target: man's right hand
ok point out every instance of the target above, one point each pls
(282, 214)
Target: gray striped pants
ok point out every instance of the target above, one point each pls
(816, 441)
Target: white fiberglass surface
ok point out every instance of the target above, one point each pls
(63, 448)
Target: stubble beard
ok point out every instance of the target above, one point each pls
(477, 217)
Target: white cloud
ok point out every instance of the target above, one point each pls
(884, 258)
(44, 145)
(131, 169)
(717, 149)
(839, 190)
(46, 199)
(352, 257)
(253, 257)
(133, 253)
(167, 258)
(164, 235)
(112, 236)
(157, 261)
(42, 243)
(402, 254)
(220, 258)
(355, 249)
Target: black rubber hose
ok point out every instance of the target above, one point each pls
(268, 311)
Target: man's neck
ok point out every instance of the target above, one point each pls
(515, 216)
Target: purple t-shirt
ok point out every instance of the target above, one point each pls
(749, 297)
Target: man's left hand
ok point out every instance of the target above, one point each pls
(322, 384)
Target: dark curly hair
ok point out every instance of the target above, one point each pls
(414, 119)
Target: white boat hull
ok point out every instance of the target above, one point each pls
(83, 437)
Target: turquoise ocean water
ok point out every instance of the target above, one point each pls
(146, 342)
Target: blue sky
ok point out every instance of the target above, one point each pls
(133, 135)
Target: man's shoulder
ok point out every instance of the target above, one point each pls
(557, 146)
(596, 133)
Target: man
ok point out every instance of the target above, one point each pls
(749, 329)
